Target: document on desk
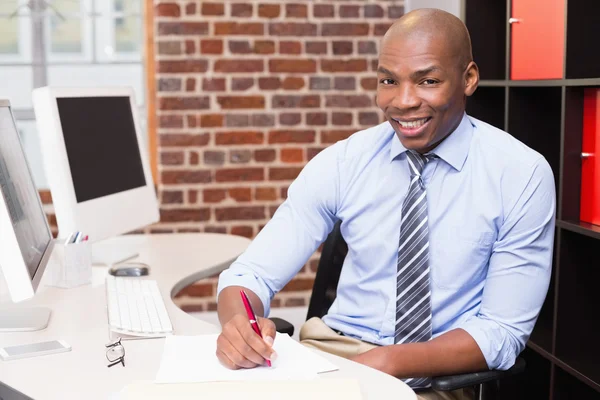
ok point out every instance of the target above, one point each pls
(188, 359)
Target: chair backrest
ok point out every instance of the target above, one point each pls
(328, 273)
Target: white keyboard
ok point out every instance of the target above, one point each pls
(136, 307)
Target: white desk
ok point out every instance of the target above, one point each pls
(79, 317)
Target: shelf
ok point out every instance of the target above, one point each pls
(582, 228)
(487, 104)
(583, 24)
(568, 387)
(488, 20)
(533, 383)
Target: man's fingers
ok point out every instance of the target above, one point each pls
(268, 331)
(225, 360)
(256, 342)
(230, 350)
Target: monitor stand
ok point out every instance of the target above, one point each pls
(110, 252)
(23, 319)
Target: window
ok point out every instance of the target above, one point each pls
(67, 43)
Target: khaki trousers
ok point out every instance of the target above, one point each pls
(316, 334)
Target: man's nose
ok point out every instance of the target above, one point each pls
(406, 97)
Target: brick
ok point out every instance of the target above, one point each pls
(198, 290)
(320, 83)
(284, 173)
(348, 101)
(236, 120)
(183, 66)
(269, 83)
(240, 175)
(239, 137)
(192, 196)
(169, 47)
(373, 11)
(184, 140)
(344, 83)
(212, 157)
(239, 28)
(190, 84)
(190, 47)
(211, 120)
(344, 29)
(190, 9)
(241, 10)
(290, 118)
(369, 118)
(213, 195)
(293, 83)
(335, 135)
(374, 64)
(342, 47)
(183, 103)
(240, 194)
(211, 46)
(213, 8)
(170, 121)
(185, 215)
(316, 118)
(262, 120)
(291, 136)
(215, 229)
(311, 152)
(395, 11)
(191, 230)
(195, 176)
(171, 157)
(240, 47)
(241, 84)
(264, 47)
(290, 47)
(192, 308)
(368, 83)
(182, 28)
(212, 306)
(160, 230)
(213, 84)
(316, 47)
(367, 47)
(353, 65)
(296, 11)
(45, 196)
(292, 29)
(239, 66)
(349, 11)
(381, 29)
(241, 102)
(323, 11)
(293, 101)
(194, 158)
(172, 197)
(341, 118)
(299, 284)
(167, 10)
(244, 230)
(240, 156)
(265, 194)
(292, 155)
(240, 213)
(264, 155)
(292, 65)
(192, 121)
(269, 10)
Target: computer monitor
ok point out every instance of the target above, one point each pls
(26, 241)
(97, 169)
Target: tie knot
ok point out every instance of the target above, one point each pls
(417, 161)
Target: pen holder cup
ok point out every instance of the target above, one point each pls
(71, 265)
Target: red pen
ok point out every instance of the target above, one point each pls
(251, 316)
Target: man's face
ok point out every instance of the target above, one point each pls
(422, 88)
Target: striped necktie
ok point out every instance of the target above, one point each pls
(413, 302)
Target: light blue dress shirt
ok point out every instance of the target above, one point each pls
(491, 209)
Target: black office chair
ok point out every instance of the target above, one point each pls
(485, 384)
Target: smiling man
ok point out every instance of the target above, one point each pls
(449, 224)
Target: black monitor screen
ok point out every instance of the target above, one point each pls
(102, 145)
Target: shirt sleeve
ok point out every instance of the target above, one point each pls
(296, 230)
(519, 273)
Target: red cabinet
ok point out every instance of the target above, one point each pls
(537, 39)
(590, 163)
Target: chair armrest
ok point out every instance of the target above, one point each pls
(282, 326)
(453, 382)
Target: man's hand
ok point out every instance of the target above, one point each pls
(238, 346)
(376, 358)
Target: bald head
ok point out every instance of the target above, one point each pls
(436, 25)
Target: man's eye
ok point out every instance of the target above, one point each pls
(429, 82)
(387, 81)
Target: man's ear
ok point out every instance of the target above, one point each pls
(471, 77)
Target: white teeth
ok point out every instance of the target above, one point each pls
(412, 124)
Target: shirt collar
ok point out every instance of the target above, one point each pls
(453, 149)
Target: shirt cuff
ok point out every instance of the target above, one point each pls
(248, 280)
(494, 342)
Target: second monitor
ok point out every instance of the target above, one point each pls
(97, 169)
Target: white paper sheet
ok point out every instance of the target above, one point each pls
(193, 359)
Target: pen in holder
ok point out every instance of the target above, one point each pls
(71, 264)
